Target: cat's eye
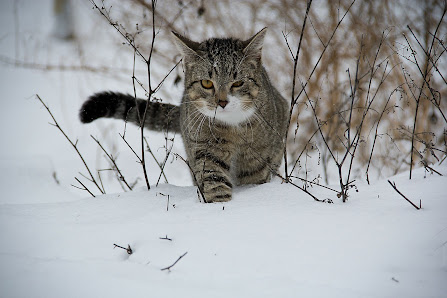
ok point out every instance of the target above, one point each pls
(207, 84)
(237, 84)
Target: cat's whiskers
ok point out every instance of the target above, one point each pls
(192, 117)
(189, 102)
(195, 116)
(199, 127)
(197, 122)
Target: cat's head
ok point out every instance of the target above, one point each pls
(222, 76)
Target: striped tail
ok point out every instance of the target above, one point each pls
(159, 116)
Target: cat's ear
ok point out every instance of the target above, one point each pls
(186, 46)
(253, 45)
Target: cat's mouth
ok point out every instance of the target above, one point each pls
(231, 111)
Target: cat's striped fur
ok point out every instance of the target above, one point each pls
(232, 120)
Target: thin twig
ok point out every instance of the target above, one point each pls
(323, 52)
(115, 166)
(163, 164)
(167, 201)
(84, 187)
(128, 37)
(165, 238)
(169, 267)
(424, 77)
(393, 184)
(193, 177)
(433, 170)
(299, 187)
(376, 132)
(157, 162)
(293, 99)
(314, 183)
(151, 91)
(304, 85)
(166, 76)
(74, 145)
(131, 41)
(128, 249)
(130, 147)
(434, 35)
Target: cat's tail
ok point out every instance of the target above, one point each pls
(159, 116)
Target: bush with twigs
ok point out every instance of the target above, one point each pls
(366, 80)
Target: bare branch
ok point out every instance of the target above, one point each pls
(74, 145)
(293, 99)
(113, 161)
(193, 177)
(83, 187)
(128, 249)
(179, 258)
(393, 185)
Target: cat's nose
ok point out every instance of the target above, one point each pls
(223, 103)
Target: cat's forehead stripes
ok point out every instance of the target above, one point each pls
(223, 55)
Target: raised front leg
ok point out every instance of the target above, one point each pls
(211, 167)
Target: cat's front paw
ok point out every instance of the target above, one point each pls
(216, 188)
(214, 194)
(218, 198)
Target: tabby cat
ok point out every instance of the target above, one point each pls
(232, 120)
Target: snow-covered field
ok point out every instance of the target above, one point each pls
(271, 240)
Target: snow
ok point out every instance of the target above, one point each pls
(271, 240)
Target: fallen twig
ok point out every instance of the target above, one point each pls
(165, 238)
(393, 184)
(169, 267)
(128, 249)
(167, 203)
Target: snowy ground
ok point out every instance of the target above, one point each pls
(270, 241)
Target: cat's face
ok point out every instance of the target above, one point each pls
(221, 77)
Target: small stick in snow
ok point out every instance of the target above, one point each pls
(393, 184)
(128, 249)
(167, 204)
(169, 267)
(166, 238)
